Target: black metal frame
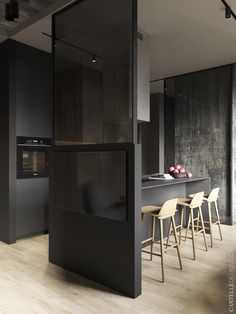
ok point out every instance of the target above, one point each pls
(135, 71)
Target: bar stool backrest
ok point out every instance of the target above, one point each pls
(213, 195)
(168, 209)
(197, 200)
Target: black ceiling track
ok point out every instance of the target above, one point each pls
(227, 7)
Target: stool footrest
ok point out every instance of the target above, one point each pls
(151, 253)
(196, 226)
(199, 231)
(147, 240)
(170, 247)
(179, 226)
(213, 223)
(182, 236)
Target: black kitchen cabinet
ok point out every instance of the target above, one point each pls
(26, 107)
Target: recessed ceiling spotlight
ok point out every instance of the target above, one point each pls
(11, 10)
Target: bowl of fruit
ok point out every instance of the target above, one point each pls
(179, 171)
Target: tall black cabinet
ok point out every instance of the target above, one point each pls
(25, 88)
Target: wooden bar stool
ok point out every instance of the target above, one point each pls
(212, 199)
(194, 205)
(167, 210)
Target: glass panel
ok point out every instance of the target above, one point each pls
(92, 77)
(42, 164)
(27, 161)
(95, 184)
(34, 161)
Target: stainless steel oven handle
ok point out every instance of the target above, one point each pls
(34, 145)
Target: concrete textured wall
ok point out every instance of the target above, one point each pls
(203, 128)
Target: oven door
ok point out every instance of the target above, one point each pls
(32, 161)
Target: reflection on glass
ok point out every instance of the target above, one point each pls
(92, 73)
(34, 161)
(96, 184)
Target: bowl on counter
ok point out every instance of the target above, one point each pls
(179, 175)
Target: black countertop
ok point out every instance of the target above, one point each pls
(162, 182)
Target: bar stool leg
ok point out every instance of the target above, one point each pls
(218, 218)
(181, 224)
(210, 224)
(203, 227)
(197, 221)
(169, 233)
(176, 241)
(193, 233)
(153, 235)
(188, 225)
(162, 249)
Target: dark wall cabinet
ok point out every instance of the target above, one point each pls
(33, 84)
(152, 137)
(25, 76)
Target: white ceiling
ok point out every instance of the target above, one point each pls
(33, 36)
(31, 33)
(185, 35)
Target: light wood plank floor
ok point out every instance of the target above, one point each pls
(29, 284)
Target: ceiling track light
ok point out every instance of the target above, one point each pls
(11, 10)
(228, 11)
(93, 56)
(94, 59)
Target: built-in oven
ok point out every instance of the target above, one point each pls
(32, 157)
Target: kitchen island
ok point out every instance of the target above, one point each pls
(156, 192)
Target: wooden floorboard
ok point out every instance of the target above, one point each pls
(29, 284)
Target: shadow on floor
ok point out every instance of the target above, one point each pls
(71, 278)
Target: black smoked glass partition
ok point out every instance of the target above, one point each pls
(93, 76)
(91, 183)
(95, 172)
(92, 73)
